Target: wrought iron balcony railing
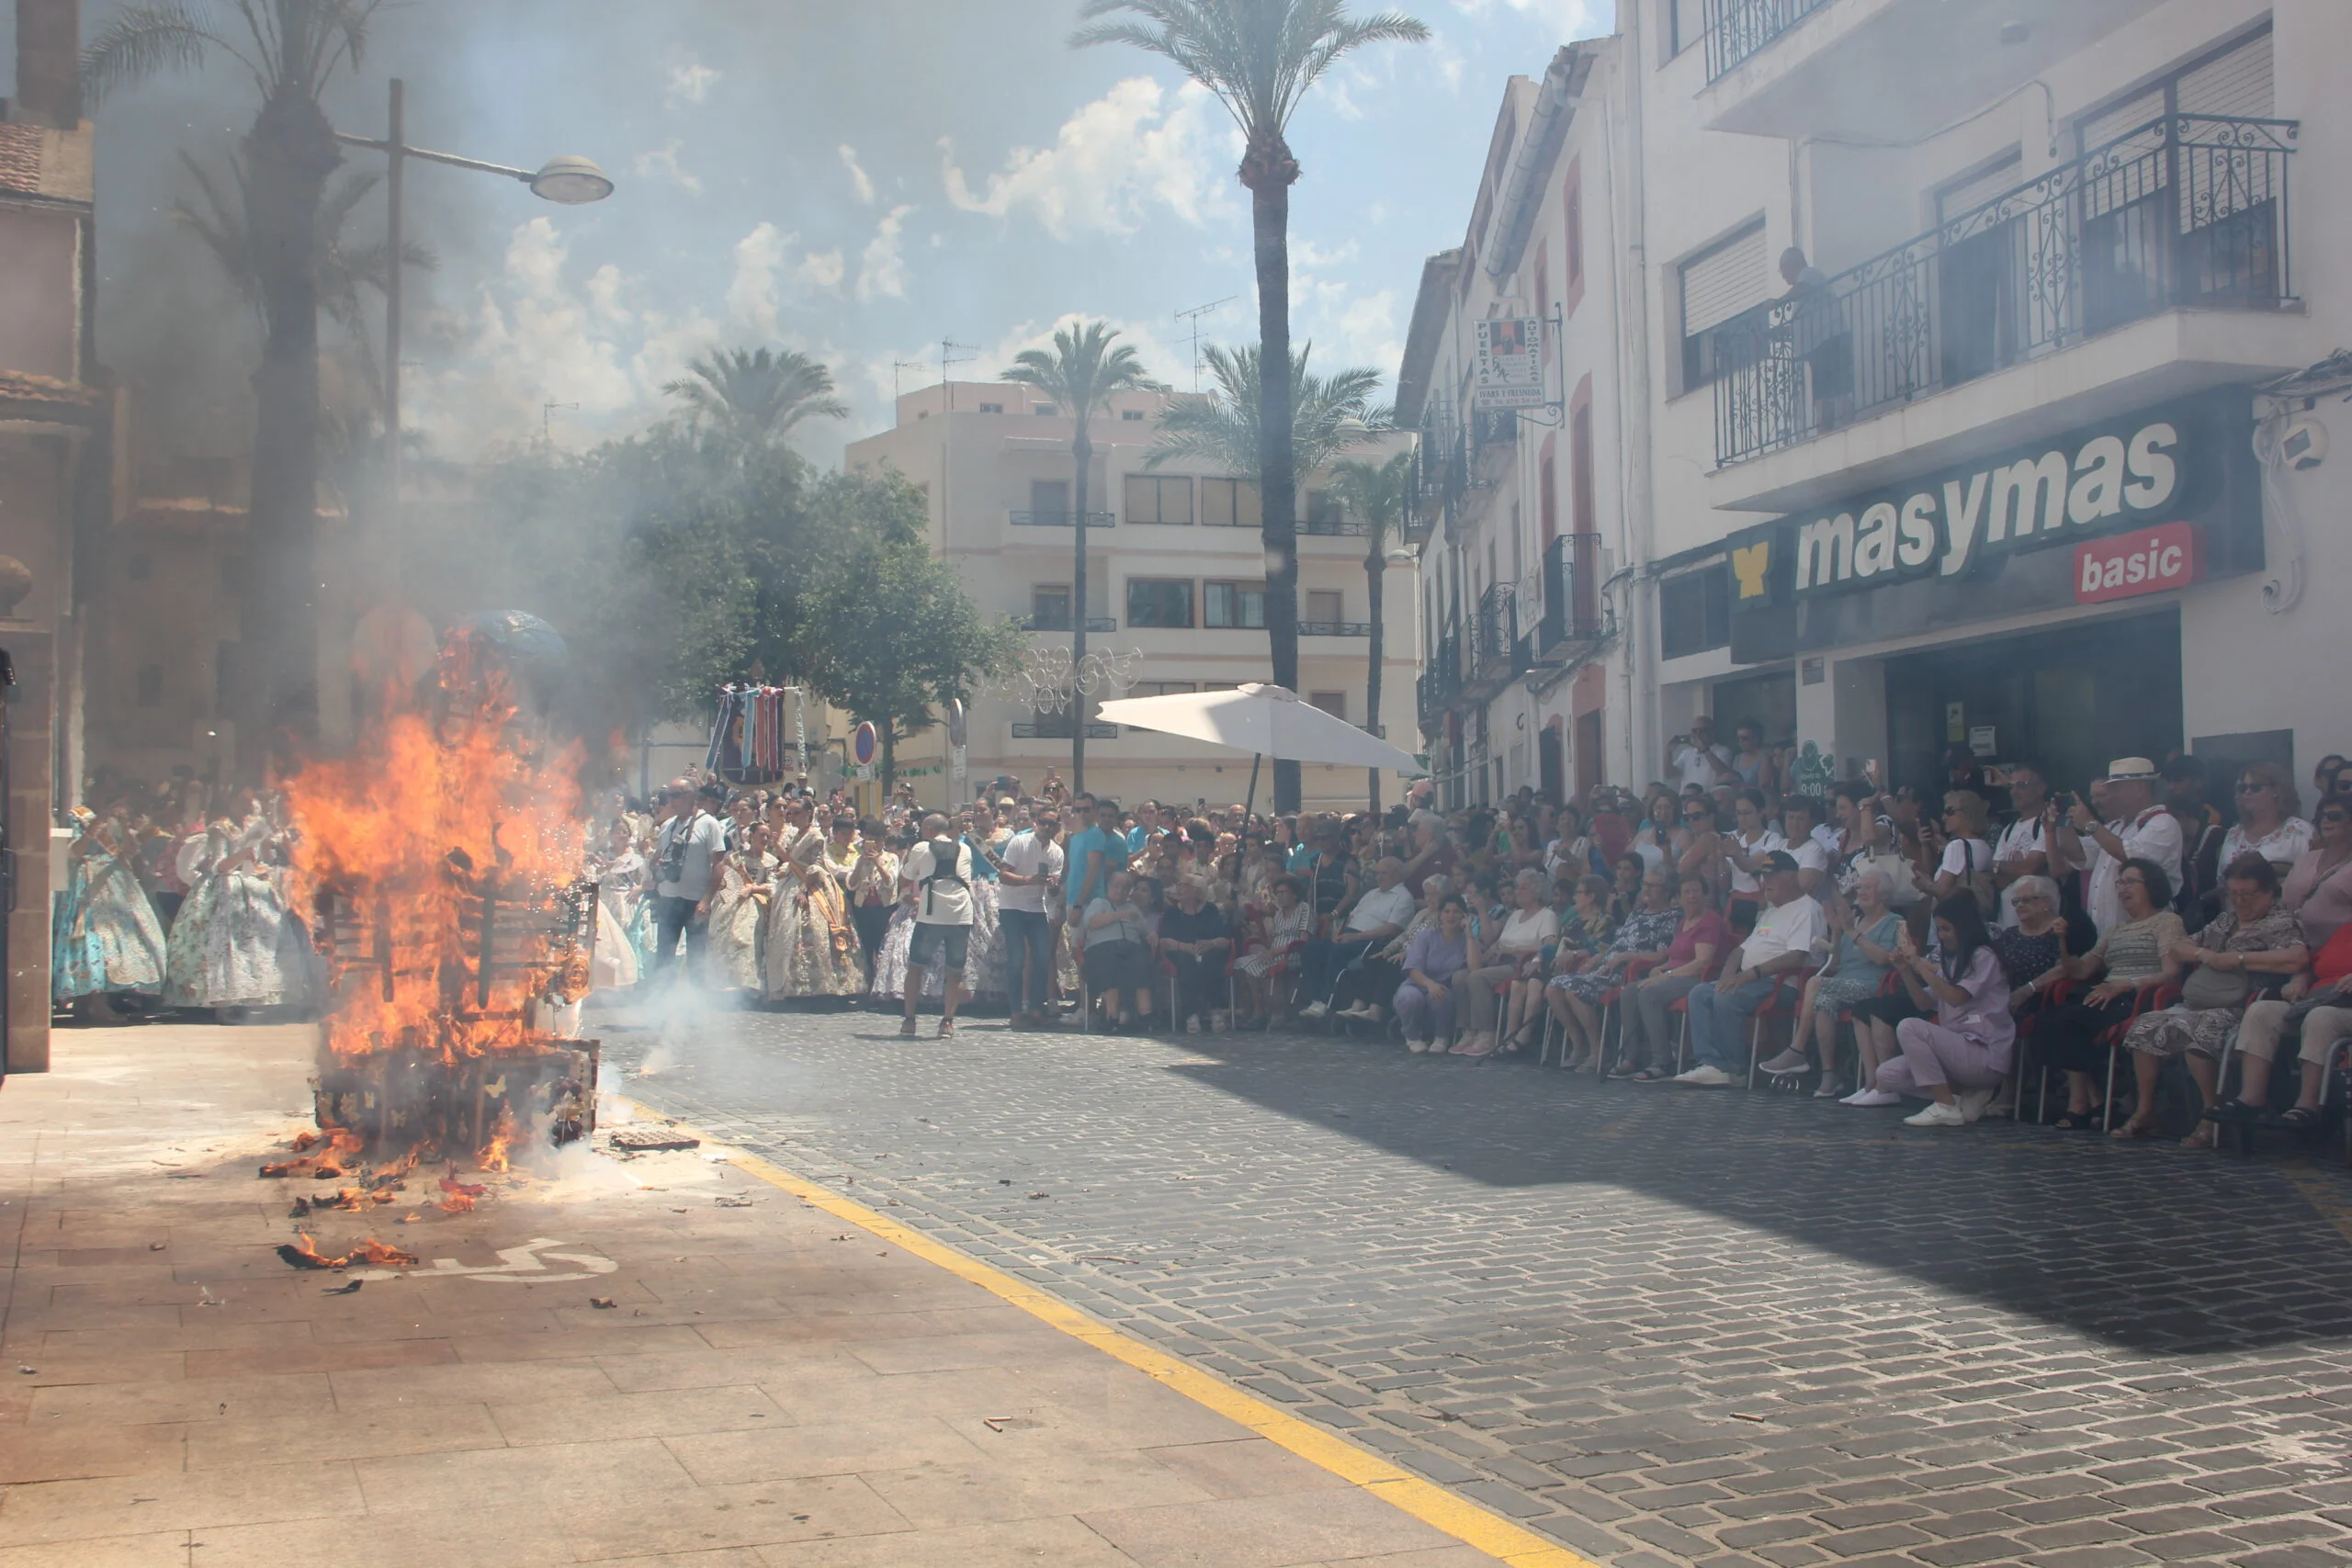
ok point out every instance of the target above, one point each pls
(2187, 211)
(1738, 29)
(1335, 628)
(1060, 519)
(1061, 623)
(1059, 730)
(1494, 635)
(1335, 527)
(1572, 613)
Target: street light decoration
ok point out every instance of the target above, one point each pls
(1049, 679)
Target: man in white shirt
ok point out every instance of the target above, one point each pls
(1697, 759)
(688, 840)
(1031, 863)
(940, 869)
(1800, 826)
(2138, 828)
(1780, 944)
(2021, 851)
(1379, 914)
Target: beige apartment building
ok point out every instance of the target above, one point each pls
(1175, 588)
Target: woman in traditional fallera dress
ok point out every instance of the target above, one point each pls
(812, 947)
(739, 903)
(108, 941)
(235, 944)
(620, 893)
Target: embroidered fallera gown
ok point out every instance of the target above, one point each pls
(811, 946)
(108, 940)
(236, 943)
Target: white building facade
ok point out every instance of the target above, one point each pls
(2009, 466)
(1175, 588)
(1525, 581)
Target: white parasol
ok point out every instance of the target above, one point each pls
(1268, 721)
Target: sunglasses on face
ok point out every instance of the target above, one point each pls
(2252, 788)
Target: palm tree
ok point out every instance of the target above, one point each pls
(1329, 414)
(1079, 377)
(1381, 496)
(751, 398)
(346, 271)
(1260, 57)
(291, 50)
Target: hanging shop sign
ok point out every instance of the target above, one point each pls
(1510, 365)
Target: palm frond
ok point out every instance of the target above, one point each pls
(145, 41)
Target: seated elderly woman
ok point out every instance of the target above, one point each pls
(2253, 938)
(2131, 957)
(1960, 1058)
(1434, 966)
(1360, 990)
(1510, 951)
(2315, 1009)
(1574, 995)
(1864, 934)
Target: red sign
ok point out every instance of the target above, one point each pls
(2145, 560)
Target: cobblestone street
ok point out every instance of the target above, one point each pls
(1661, 1326)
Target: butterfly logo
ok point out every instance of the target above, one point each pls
(1749, 564)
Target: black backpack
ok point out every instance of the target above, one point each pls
(943, 861)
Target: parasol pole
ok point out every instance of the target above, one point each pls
(1250, 806)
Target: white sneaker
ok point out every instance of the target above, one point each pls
(1315, 1009)
(1221, 1021)
(1704, 1076)
(1937, 1114)
(1868, 1097)
(1972, 1103)
(1192, 1026)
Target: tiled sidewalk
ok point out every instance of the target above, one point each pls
(769, 1386)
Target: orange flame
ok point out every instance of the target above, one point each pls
(421, 823)
(493, 1155)
(374, 1251)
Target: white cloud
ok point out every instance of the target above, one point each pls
(751, 294)
(858, 181)
(883, 269)
(822, 269)
(1559, 20)
(1165, 359)
(691, 83)
(1137, 146)
(661, 163)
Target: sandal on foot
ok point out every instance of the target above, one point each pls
(2080, 1121)
(2137, 1127)
(2206, 1136)
(2299, 1116)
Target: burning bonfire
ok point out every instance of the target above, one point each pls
(441, 860)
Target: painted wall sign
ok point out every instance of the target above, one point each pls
(2145, 560)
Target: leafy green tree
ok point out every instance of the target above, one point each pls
(1080, 376)
(1381, 496)
(1260, 57)
(889, 634)
(291, 50)
(750, 400)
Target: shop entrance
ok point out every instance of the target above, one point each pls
(1769, 702)
(2068, 701)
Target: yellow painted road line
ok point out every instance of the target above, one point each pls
(1458, 1516)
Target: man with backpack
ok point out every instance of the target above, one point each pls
(940, 867)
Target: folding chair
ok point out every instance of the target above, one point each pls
(1613, 1010)
(2147, 1000)
(1788, 993)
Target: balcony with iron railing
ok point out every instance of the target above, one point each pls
(1736, 30)
(2185, 213)
(1061, 729)
(1494, 643)
(1573, 614)
(1335, 628)
(1061, 623)
(1439, 682)
(1061, 519)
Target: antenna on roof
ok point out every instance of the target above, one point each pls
(1193, 317)
(897, 368)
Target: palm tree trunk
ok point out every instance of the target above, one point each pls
(291, 152)
(1269, 173)
(1375, 573)
(1081, 453)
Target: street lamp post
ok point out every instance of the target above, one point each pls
(571, 181)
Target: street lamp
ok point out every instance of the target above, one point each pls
(569, 180)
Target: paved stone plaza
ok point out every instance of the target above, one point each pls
(1662, 1326)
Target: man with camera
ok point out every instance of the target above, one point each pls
(2137, 827)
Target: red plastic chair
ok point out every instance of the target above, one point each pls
(2145, 1001)
(1611, 1002)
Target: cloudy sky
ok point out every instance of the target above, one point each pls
(857, 180)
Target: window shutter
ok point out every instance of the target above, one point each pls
(1725, 281)
(2236, 85)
